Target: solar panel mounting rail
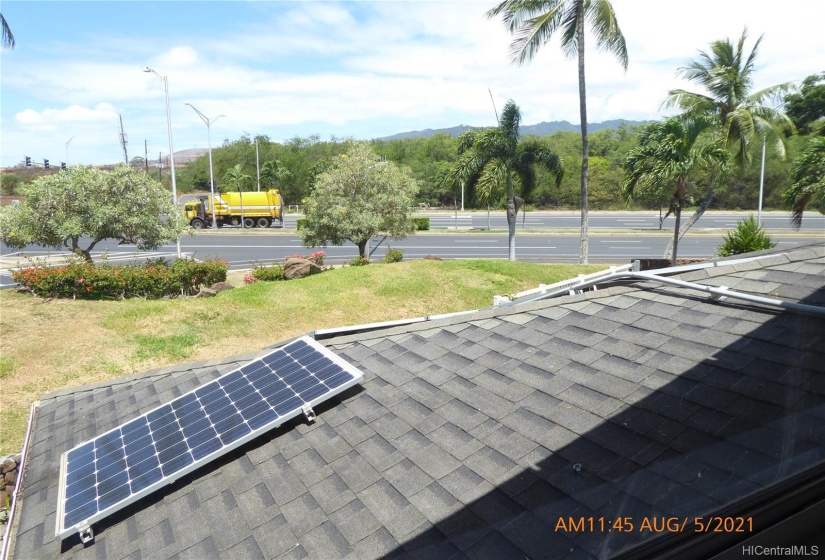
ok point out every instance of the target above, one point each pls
(117, 468)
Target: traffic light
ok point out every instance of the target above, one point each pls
(28, 161)
(62, 165)
(46, 163)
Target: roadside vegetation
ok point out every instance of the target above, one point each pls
(50, 344)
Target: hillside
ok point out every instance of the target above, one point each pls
(540, 129)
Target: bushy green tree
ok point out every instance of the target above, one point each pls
(807, 105)
(83, 205)
(9, 183)
(358, 197)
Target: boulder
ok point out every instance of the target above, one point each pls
(8, 465)
(206, 292)
(298, 268)
(221, 286)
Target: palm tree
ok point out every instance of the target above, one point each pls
(809, 180)
(667, 154)
(236, 176)
(488, 159)
(535, 21)
(274, 172)
(741, 116)
(8, 37)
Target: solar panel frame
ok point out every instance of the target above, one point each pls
(166, 420)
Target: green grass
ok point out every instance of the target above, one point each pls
(53, 344)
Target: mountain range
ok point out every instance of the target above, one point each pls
(540, 129)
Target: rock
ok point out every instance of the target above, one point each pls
(206, 292)
(3, 498)
(7, 465)
(221, 286)
(10, 477)
(299, 268)
(9, 489)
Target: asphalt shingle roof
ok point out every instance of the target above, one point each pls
(472, 436)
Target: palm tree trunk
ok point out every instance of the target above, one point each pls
(676, 232)
(583, 248)
(511, 218)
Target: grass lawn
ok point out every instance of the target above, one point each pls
(51, 344)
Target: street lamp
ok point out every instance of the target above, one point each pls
(67, 149)
(171, 150)
(211, 176)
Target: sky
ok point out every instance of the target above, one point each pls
(358, 70)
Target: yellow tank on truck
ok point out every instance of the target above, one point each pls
(255, 209)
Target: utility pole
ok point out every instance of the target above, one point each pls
(257, 165)
(146, 155)
(123, 141)
(160, 166)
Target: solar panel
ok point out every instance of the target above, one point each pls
(117, 468)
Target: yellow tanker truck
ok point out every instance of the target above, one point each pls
(255, 209)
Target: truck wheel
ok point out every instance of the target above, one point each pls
(263, 222)
(249, 222)
(197, 223)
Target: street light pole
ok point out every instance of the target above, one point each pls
(209, 122)
(171, 149)
(67, 150)
(761, 185)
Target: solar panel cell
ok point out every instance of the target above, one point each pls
(128, 462)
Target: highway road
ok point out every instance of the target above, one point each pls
(619, 220)
(646, 221)
(242, 249)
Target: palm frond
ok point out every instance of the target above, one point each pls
(606, 29)
(493, 178)
(533, 34)
(8, 36)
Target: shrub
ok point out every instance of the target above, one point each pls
(747, 237)
(152, 279)
(359, 261)
(267, 273)
(300, 223)
(422, 223)
(9, 183)
(393, 255)
(432, 257)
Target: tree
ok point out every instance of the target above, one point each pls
(274, 172)
(8, 37)
(237, 178)
(741, 117)
(667, 155)
(807, 105)
(73, 206)
(358, 197)
(534, 22)
(809, 180)
(488, 158)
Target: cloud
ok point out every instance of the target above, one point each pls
(70, 116)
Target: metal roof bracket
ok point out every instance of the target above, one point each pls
(308, 412)
(719, 297)
(86, 534)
